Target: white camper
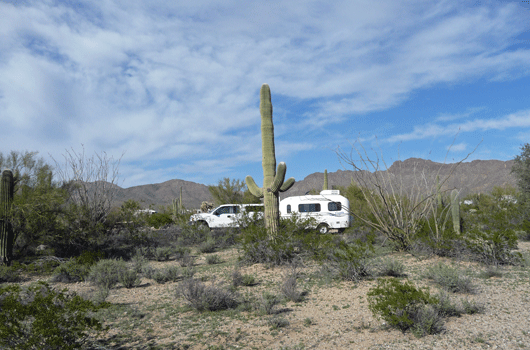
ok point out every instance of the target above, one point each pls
(329, 209)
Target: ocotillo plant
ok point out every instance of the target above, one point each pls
(455, 210)
(325, 187)
(273, 181)
(6, 229)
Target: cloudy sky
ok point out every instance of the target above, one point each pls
(173, 86)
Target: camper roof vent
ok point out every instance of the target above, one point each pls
(329, 192)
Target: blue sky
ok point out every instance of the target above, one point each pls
(174, 85)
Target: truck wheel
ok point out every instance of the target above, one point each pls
(323, 228)
(203, 224)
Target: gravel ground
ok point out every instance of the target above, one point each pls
(333, 315)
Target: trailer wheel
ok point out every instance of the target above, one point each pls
(323, 228)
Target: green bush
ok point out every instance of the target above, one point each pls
(295, 238)
(38, 317)
(352, 261)
(8, 274)
(157, 220)
(106, 273)
(129, 278)
(401, 304)
(77, 268)
(168, 274)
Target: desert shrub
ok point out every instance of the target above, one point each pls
(105, 273)
(450, 279)
(213, 259)
(77, 268)
(399, 304)
(8, 274)
(295, 238)
(38, 317)
(267, 303)
(352, 261)
(208, 246)
(162, 253)
(236, 278)
(168, 274)
(148, 271)
(289, 288)
(471, 308)
(187, 260)
(436, 234)
(391, 267)
(490, 227)
(493, 245)
(446, 307)
(157, 220)
(138, 262)
(193, 234)
(426, 320)
(276, 322)
(129, 278)
(206, 298)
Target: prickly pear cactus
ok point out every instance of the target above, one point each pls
(6, 229)
(273, 180)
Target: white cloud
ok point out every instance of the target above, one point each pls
(172, 80)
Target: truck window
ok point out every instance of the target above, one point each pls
(309, 208)
(334, 206)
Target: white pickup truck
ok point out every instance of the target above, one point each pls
(227, 215)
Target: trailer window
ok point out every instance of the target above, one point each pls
(334, 206)
(288, 208)
(308, 208)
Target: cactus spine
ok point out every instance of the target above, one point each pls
(455, 210)
(325, 187)
(6, 229)
(273, 181)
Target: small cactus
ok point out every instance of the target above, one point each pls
(273, 181)
(6, 228)
(455, 210)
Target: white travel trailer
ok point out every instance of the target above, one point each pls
(329, 209)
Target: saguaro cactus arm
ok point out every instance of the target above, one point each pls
(253, 188)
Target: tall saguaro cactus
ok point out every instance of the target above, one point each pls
(6, 228)
(325, 187)
(273, 181)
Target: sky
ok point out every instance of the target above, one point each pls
(171, 88)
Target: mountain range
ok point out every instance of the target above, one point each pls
(478, 176)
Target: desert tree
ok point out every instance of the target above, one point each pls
(399, 208)
(92, 184)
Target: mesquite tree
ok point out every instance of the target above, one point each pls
(273, 181)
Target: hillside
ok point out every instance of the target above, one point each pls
(478, 176)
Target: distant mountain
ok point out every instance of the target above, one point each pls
(193, 194)
(478, 176)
